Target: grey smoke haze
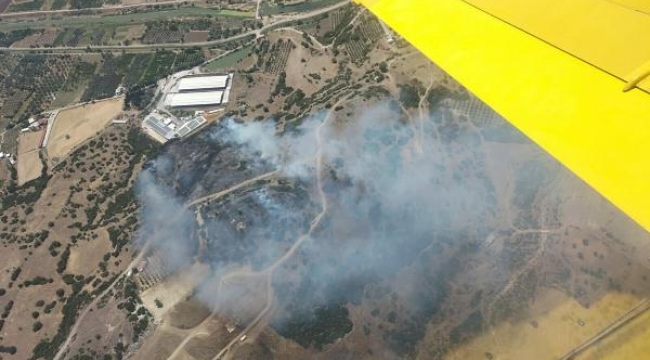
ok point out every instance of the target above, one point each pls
(392, 192)
(165, 222)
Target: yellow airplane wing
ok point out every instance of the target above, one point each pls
(574, 76)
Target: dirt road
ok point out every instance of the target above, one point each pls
(263, 317)
(73, 332)
(222, 193)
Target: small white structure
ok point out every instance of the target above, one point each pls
(193, 83)
(203, 98)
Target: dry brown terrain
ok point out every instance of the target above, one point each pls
(29, 163)
(46, 37)
(77, 124)
(196, 36)
(59, 232)
(546, 276)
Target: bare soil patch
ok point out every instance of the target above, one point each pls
(173, 290)
(75, 125)
(85, 255)
(29, 164)
(46, 37)
(309, 69)
(159, 346)
(188, 314)
(196, 36)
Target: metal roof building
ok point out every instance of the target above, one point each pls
(156, 123)
(194, 83)
(191, 125)
(196, 98)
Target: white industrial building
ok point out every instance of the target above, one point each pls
(200, 98)
(199, 83)
(158, 127)
(163, 128)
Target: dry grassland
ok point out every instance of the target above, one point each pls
(75, 125)
(29, 164)
(555, 325)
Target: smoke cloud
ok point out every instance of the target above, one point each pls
(393, 190)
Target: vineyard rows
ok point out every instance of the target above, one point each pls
(279, 54)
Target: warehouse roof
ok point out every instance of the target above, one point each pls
(203, 82)
(197, 98)
(156, 123)
(191, 125)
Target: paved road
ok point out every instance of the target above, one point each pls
(624, 319)
(256, 33)
(108, 8)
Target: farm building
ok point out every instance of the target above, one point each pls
(203, 98)
(190, 126)
(155, 123)
(163, 128)
(201, 83)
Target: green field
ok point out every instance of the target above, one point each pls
(127, 19)
(307, 5)
(230, 59)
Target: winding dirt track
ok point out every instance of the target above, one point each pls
(264, 316)
(221, 193)
(73, 332)
(59, 355)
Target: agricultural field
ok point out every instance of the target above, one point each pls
(188, 58)
(75, 125)
(108, 77)
(275, 7)
(76, 82)
(59, 5)
(360, 39)
(132, 18)
(43, 38)
(29, 163)
(30, 5)
(137, 69)
(30, 82)
(276, 60)
(218, 27)
(9, 37)
(327, 27)
(160, 66)
(68, 37)
(228, 61)
(194, 36)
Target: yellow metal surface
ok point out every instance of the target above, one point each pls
(638, 5)
(607, 34)
(574, 110)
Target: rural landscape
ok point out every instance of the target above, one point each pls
(335, 196)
